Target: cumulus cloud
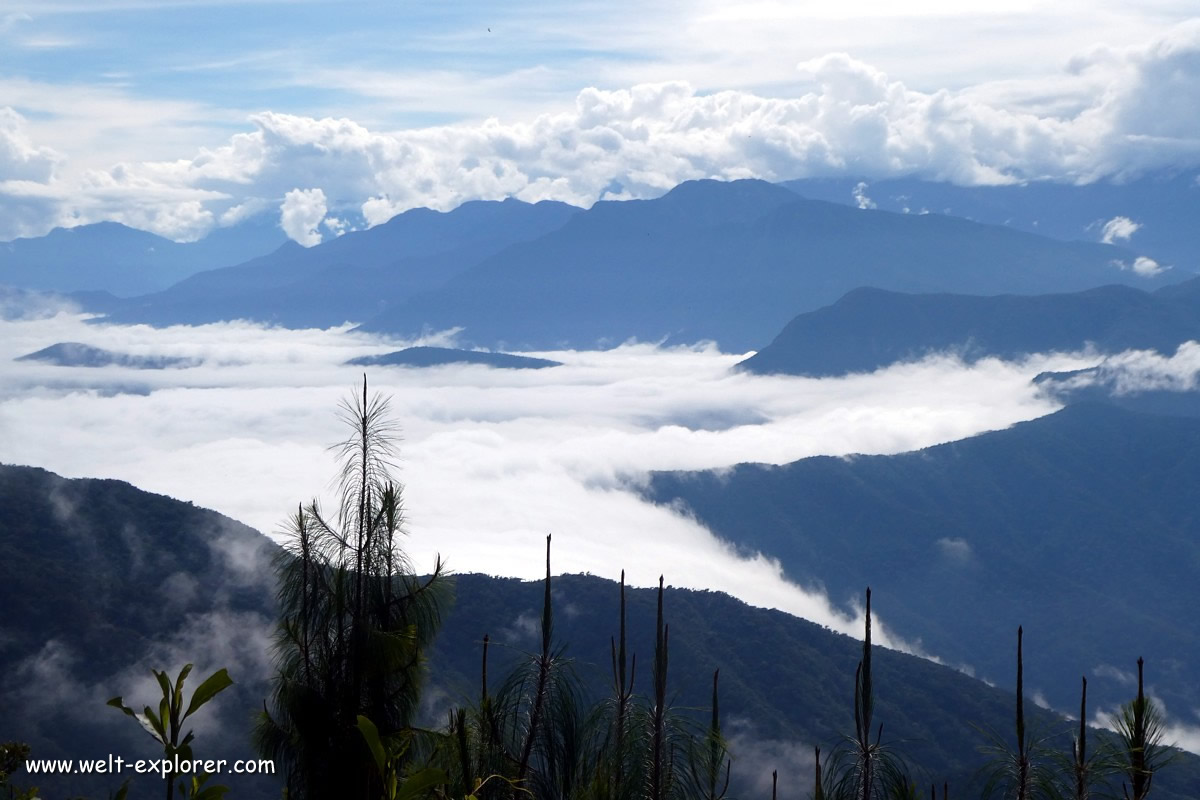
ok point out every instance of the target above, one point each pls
(492, 459)
(1118, 229)
(1147, 267)
(301, 214)
(1141, 265)
(861, 199)
(20, 158)
(843, 117)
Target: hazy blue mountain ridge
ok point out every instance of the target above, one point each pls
(111, 257)
(871, 328)
(731, 262)
(1081, 526)
(353, 276)
(1165, 206)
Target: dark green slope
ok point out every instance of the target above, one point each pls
(782, 678)
(92, 580)
(871, 328)
(1082, 526)
(99, 583)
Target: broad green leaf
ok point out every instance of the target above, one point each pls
(370, 735)
(177, 700)
(163, 683)
(156, 722)
(118, 702)
(183, 673)
(213, 684)
(165, 717)
(211, 793)
(421, 782)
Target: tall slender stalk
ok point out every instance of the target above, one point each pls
(1079, 749)
(543, 676)
(623, 673)
(1023, 787)
(658, 753)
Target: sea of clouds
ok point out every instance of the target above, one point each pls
(492, 460)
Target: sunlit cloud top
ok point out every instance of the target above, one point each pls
(167, 115)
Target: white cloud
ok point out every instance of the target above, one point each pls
(1142, 265)
(845, 116)
(1118, 229)
(1147, 267)
(20, 159)
(242, 211)
(301, 215)
(861, 199)
(1124, 677)
(757, 756)
(492, 459)
(1136, 371)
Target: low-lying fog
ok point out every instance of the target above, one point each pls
(492, 460)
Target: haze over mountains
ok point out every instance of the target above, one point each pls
(1154, 213)
(351, 277)
(1079, 525)
(111, 257)
(157, 582)
(730, 261)
(868, 328)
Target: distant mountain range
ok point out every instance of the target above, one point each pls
(1081, 526)
(871, 328)
(1163, 206)
(354, 276)
(440, 356)
(731, 262)
(153, 580)
(111, 257)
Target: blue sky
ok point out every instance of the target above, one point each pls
(180, 116)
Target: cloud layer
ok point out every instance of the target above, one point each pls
(842, 116)
(492, 459)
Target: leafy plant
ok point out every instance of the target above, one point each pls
(866, 768)
(1140, 731)
(388, 756)
(1021, 772)
(355, 620)
(13, 756)
(166, 727)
